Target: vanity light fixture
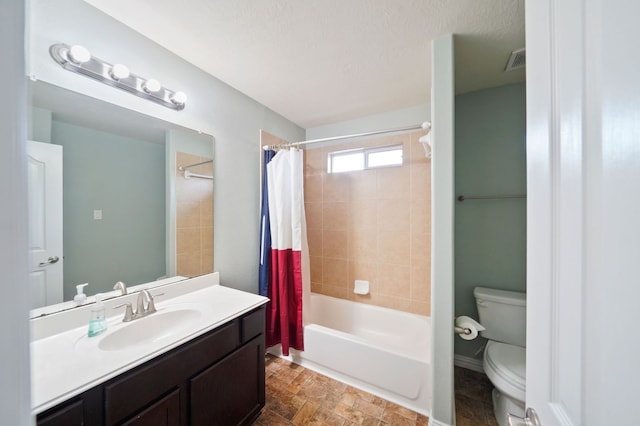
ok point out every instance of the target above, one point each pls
(79, 54)
(78, 59)
(119, 72)
(179, 98)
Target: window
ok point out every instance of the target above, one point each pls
(365, 158)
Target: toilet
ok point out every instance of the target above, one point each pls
(503, 314)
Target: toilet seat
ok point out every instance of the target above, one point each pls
(506, 368)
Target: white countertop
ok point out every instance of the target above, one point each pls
(65, 362)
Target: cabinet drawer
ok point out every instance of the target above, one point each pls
(253, 325)
(135, 390)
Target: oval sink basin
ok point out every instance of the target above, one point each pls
(156, 326)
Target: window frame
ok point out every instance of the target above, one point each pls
(365, 152)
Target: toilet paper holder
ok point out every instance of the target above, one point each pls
(462, 330)
(467, 328)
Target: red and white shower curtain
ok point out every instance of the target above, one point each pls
(288, 250)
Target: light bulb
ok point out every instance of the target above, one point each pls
(119, 71)
(179, 98)
(151, 86)
(79, 54)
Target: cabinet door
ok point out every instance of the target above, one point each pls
(165, 412)
(230, 392)
(82, 410)
(68, 415)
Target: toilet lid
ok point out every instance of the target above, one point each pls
(506, 367)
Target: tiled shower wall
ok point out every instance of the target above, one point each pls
(194, 218)
(372, 225)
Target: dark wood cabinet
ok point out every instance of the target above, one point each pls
(215, 379)
(220, 396)
(165, 412)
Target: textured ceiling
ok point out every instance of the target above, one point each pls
(319, 62)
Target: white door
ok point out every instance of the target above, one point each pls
(44, 177)
(583, 213)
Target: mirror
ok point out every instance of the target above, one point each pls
(135, 201)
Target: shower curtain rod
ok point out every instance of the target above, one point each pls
(189, 175)
(183, 168)
(424, 126)
(489, 197)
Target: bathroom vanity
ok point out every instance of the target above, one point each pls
(210, 372)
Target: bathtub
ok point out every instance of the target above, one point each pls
(382, 351)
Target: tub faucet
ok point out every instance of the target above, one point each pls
(121, 286)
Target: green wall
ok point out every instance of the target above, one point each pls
(125, 178)
(490, 235)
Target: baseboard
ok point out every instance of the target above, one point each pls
(433, 422)
(469, 363)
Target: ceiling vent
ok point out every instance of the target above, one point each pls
(517, 60)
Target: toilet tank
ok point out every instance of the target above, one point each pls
(503, 314)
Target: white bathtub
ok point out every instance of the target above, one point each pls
(382, 351)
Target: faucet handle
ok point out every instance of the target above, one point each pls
(121, 286)
(151, 307)
(128, 313)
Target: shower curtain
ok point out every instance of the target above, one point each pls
(286, 229)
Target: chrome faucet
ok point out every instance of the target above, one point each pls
(121, 286)
(142, 310)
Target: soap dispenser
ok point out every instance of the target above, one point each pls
(80, 298)
(98, 322)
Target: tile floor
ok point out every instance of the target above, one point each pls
(298, 396)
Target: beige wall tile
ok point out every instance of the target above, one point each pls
(314, 239)
(420, 283)
(206, 261)
(420, 308)
(394, 216)
(187, 240)
(335, 272)
(316, 269)
(393, 247)
(334, 291)
(206, 209)
(363, 215)
(394, 280)
(313, 189)
(188, 264)
(335, 216)
(421, 181)
(316, 287)
(187, 214)
(395, 303)
(393, 182)
(420, 248)
(334, 244)
(313, 215)
(364, 184)
(366, 271)
(315, 161)
(381, 217)
(417, 154)
(335, 188)
(420, 216)
(194, 218)
(362, 246)
(206, 238)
